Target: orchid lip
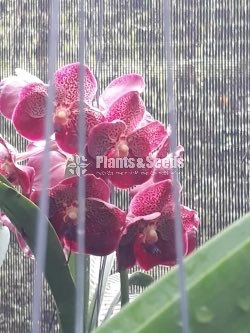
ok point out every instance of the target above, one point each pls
(122, 149)
(60, 116)
(149, 235)
(71, 214)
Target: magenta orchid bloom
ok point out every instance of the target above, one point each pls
(104, 222)
(16, 174)
(10, 89)
(149, 237)
(125, 147)
(28, 117)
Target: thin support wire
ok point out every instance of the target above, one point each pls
(173, 141)
(41, 234)
(80, 325)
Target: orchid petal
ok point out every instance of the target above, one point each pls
(67, 80)
(121, 86)
(9, 94)
(147, 119)
(104, 226)
(128, 108)
(96, 188)
(144, 140)
(16, 174)
(125, 177)
(56, 169)
(138, 188)
(25, 175)
(28, 116)
(192, 240)
(152, 199)
(104, 137)
(168, 165)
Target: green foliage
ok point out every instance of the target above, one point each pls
(23, 214)
(218, 277)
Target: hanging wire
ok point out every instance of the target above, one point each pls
(167, 33)
(80, 325)
(99, 48)
(41, 236)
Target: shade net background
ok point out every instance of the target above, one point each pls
(212, 85)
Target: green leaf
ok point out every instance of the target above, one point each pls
(23, 214)
(218, 276)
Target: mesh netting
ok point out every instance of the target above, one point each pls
(212, 75)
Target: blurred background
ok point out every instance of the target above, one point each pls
(211, 63)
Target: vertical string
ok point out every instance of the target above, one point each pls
(167, 33)
(99, 48)
(41, 235)
(80, 269)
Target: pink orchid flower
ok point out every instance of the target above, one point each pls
(16, 174)
(121, 136)
(28, 117)
(104, 222)
(149, 238)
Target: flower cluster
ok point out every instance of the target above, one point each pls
(117, 127)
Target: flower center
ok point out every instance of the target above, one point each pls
(61, 116)
(122, 149)
(71, 214)
(149, 235)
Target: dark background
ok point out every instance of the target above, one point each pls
(212, 73)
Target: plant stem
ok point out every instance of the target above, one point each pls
(73, 268)
(124, 287)
(86, 290)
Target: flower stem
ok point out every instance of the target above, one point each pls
(124, 287)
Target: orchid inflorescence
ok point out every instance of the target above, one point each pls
(117, 127)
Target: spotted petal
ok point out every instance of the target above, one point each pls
(96, 188)
(128, 108)
(104, 226)
(67, 82)
(152, 199)
(103, 137)
(121, 86)
(144, 140)
(28, 116)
